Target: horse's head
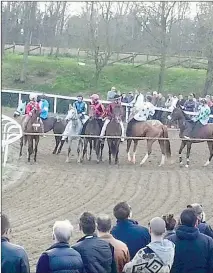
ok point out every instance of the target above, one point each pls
(117, 112)
(177, 114)
(35, 120)
(20, 109)
(72, 114)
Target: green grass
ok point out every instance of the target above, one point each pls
(64, 76)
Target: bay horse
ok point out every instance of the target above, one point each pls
(152, 129)
(32, 126)
(92, 127)
(206, 132)
(56, 124)
(73, 129)
(114, 129)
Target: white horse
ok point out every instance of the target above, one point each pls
(72, 130)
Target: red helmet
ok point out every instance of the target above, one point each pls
(94, 97)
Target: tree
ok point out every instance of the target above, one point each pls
(62, 15)
(29, 19)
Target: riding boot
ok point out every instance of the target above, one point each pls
(42, 127)
(103, 130)
(122, 131)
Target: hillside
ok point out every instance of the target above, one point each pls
(64, 76)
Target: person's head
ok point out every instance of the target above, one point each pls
(198, 209)
(122, 211)
(113, 89)
(155, 94)
(79, 98)
(160, 96)
(87, 223)
(148, 98)
(190, 97)
(33, 97)
(104, 223)
(180, 96)
(43, 97)
(204, 101)
(170, 221)
(157, 227)
(62, 231)
(188, 218)
(95, 98)
(123, 95)
(5, 226)
(130, 94)
(170, 96)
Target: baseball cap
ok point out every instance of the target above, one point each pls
(158, 226)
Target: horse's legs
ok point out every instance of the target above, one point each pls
(89, 155)
(101, 148)
(210, 145)
(189, 145)
(69, 149)
(182, 146)
(21, 146)
(85, 148)
(30, 147)
(36, 148)
(57, 141)
(129, 141)
(117, 150)
(162, 147)
(110, 152)
(134, 151)
(149, 150)
(79, 149)
(61, 145)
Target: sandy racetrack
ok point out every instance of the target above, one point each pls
(35, 195)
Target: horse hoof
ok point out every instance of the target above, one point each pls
(206, 164)
(98, 161)
(67, 160)
(187, 166)
(134, 161)
(54, 152)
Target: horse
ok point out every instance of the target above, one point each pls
(32, 126)
(56, 124)
(93, 128)
(114, 129)
(151, 129)
(73, 129)
(206, 132)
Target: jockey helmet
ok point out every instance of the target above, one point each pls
(204, 101)
(33, 96)
(95, 97)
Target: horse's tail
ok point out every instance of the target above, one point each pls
(166, 142)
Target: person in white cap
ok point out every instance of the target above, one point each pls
(157, 256)
(111, 94)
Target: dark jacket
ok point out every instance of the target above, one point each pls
(190, 106)
(97, 254)
(132, 234)
(193, 251)
(13, 258)
(60, 258)
(205, 229)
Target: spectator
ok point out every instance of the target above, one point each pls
(60, 257)
(129, 231)
(161, 104)
(13, 257)
(154, 98)
(111, 94)
(193, 250)
(190, 104)
(180, 101)
(124, 98)
(121, 252)
(97, 254)
(170, 225)
(130, 97)
(202, 225)
(157, 256)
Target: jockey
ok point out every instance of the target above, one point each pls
(44, 106)
(97, 110)
(81, 107)
(201, 119)
(110, 115)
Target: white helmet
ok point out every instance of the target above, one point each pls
(33, 96)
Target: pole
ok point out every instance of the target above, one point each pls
(55, 105)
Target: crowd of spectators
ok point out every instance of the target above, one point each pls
(182, 245)
(189, 103)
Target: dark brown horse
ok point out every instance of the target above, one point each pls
(206, 132)
(151, 129)
(114, 129)
(92, 127)
(32, 126)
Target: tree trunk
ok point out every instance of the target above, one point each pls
(209, 77)
(61, 29)
(5, 27)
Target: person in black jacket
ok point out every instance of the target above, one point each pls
(97, 254)
(129, 231)
(13, 257)
(60, 257)
(193, 250)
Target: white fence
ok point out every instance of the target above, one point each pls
(11, 132)
(127, 106)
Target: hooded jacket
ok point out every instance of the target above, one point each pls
(193, 251)
(156, 257)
